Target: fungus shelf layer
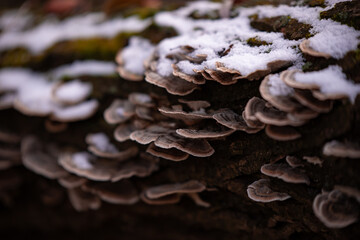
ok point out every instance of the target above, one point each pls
(211, 121)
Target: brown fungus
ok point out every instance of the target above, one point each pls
(340, 149)
(172, 84)
(284, 103)
(100, 145)
(307, 49)
(285, 173)
(284, 133)
(83, 201)
(306, 98)
(259, 191)
(234, 121)
(171, 154)
(123, 192)
(41, 158)
(335, 210)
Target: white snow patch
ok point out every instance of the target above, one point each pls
(333, 2)
(82, 160)
(73, 91)
(102, 142)
(78, 27)
(278, 87)
(87, 67)
(330, 80)
(134, 55)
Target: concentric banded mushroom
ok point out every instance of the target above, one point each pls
(171, 193)
(339, 149)
(335, 209)
(285, 173)
(259, 191)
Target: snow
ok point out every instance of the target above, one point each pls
(87, 67)
(329, 36)
(102, 142)
(82, 160)
(333, 2)
(278, 87)
(134, 55)
(215, 36)
(330, 80)
(52, 31)
(73, 91)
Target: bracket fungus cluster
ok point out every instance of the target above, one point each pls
(217, 50)
(34, 95)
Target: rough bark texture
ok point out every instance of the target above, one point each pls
(33, 206)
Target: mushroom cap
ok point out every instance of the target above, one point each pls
(119, 111)
(194, 147)
(339, 149)
(174, 85)
(195, 105)
(71, 181)
(314, 160)
(123, 132)
(273, 116)
(83, 201)
(307, 49)
(196, 78)
(253, 106)
(284, 133)
(306, 98)
(349, 191)
(294, 161)
(72, 92)
(54, 126)
(123, 192)
(207, 131)
(259, 191)
(288, 77)
(335, 210)
(86, 165)
(256, 124)
(101, 146)
(40, 158)
(223, 78)
(284, 103)
(234, 121)
(141, 99)
(285, 173)
(171, 154)
(129, 75)
(74, 113)
(149, 134)
(177, 112)
(170, 199)
(192, 186)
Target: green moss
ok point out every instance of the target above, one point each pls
(314, 3)
(291, 28)
(307, 66)
(142, 13)
(345, 12)
(255, 42)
